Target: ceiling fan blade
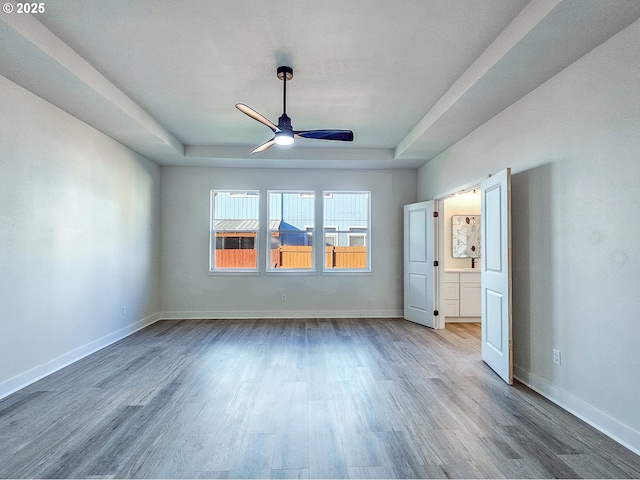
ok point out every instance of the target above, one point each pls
(342, 135)
(256, 116)
(265, 145)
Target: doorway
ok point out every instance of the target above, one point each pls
(459, 255)
(454, 286)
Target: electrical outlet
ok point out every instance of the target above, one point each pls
(124, 310)
(556, 356)
(284, 297)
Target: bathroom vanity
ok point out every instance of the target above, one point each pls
(461, 295)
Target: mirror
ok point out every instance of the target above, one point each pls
(465, 238)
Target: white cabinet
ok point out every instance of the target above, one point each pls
(461, 295)
(451, 292)
(470, 295)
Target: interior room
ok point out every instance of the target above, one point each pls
(133, 160)
(460, 238)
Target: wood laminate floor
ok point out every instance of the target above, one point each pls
(312, 398)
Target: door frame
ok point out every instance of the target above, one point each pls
(439, 207)
(438, 199)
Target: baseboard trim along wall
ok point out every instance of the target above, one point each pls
(221, 315)
(599, 420)
(31, 376)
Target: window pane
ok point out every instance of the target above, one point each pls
(346, 230)
(357, 240)
(234, 230)
(291, 227)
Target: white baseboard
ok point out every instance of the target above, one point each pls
(608, 425)
(27, 378)
(219, 315)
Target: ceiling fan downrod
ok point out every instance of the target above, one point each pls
(285, 136)
(285, 73)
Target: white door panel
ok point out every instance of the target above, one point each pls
(493, 337)
(417, 229)
(419, 272)
(418, 285)
(497, 345)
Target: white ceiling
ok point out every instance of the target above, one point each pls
(409, 77)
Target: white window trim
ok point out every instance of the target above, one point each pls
(241, 193)
(263, 234)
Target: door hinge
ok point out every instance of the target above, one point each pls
(435, 263)
(435, 214)
(435, 313)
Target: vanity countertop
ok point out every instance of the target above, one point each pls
(462, 270)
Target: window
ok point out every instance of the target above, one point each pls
(291, 228)
(346, 231)
(227, 241)
(357, 239)
(234, 230)
(330, 238)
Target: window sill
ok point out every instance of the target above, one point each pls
(290, 272)
(239, 273)
(346, 272)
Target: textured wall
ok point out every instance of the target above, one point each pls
(79, 238)
(188, 290)
(574, 148)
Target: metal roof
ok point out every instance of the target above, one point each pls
(243, 225)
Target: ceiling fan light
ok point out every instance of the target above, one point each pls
(284, 138)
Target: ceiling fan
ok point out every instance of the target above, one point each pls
(284, 134)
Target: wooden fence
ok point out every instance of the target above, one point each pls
(236, 258)
(293, 256)
(347, 257)
(290, 256)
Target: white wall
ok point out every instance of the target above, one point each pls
(79, 228)
(464, 204)
(188, 290)
(574, 147)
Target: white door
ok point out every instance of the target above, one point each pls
(497, 347)
(419, 271)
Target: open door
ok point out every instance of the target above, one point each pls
(497, 343)
(419, 271)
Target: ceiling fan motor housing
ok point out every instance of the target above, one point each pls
(284, 134)
(284, 123)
